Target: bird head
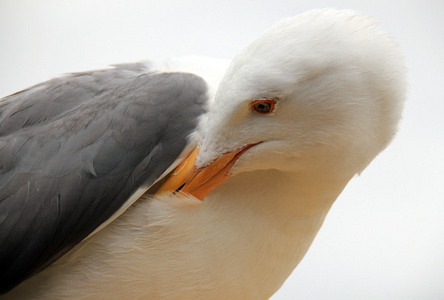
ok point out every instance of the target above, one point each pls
(321, 92)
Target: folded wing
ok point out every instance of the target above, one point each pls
(74, 149)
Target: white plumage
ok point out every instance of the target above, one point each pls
(339, 86)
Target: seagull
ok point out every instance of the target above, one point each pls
(192, 178)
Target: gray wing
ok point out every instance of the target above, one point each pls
(74, 149)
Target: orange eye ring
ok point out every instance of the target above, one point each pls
(264, 107)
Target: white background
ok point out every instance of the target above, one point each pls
(384, 237)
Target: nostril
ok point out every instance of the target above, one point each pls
(178, 189)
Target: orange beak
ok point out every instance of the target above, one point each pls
(187, 178)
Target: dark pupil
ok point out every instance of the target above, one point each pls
(263, 107)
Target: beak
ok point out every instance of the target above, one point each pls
(200, 182)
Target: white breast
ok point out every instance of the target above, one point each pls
(182, 248)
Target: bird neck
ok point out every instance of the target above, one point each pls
(275, 215)
(281, 196)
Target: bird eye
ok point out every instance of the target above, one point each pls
(263, 106)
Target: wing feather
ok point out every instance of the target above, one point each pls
(74, 149)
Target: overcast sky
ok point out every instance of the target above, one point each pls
(384, 237)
